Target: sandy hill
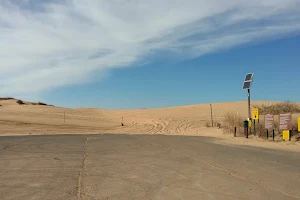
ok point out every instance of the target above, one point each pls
(33, 118)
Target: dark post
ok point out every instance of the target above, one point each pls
(211, 116)
(234, 134)
(122, 122)
(64, 117)
(267, 133)
(258, 127)
(273, 135)
(246, 124)
(249, 111)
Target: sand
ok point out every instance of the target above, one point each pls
(188, 120)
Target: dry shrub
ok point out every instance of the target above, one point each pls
(208, 124)
(278, 108)
(39, 103)
(215, 124)
(232, 120)
(42, 104)
(20, 102)
(6, 98)
(294, 131)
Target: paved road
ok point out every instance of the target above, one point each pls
(143, 167)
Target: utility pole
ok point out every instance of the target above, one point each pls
(247, 84)
(249, 105)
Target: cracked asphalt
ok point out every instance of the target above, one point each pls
(111, 166)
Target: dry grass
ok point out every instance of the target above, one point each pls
(232, 120)
(277, 108)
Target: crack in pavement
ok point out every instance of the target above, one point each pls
(80, 193)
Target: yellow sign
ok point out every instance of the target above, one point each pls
(255, 113)
(299, 124)
(286, 135)
(249, 123)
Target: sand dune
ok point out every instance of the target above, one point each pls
(30, 119)
(173, 120)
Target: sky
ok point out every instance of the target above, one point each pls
(130, 54)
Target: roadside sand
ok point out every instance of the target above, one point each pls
(184, 120)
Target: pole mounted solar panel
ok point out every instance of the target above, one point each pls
(248, 81)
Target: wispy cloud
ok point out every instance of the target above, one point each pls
(49, 44)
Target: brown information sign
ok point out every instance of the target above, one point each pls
(269, 121)
(285, 121)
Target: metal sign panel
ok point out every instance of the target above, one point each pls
(285, 121)
(269, 122)
(255, 113)
(286, 135)
(246, 85)
(249, 123)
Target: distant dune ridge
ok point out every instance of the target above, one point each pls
(39, 118)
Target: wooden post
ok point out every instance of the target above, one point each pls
(234, 134)
(211, 116)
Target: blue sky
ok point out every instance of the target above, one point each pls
(146, 54)
(217, 77)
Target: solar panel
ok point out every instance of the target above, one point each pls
(247, 85)
(248, 77)
(248, 81)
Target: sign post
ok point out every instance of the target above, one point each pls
(285, 124)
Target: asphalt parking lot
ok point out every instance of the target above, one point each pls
(111, 166)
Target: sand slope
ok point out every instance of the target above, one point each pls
(183, 120)
(15, 118)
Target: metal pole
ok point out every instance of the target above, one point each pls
(249, 109)
(211, 116)
(273, 135)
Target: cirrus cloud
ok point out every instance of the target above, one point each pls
(50, 44)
